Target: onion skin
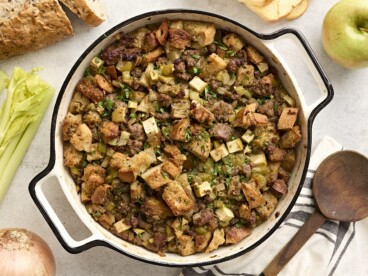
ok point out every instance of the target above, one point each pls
(23, 252)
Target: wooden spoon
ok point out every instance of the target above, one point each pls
(340, 189)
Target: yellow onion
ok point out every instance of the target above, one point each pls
(23, 252)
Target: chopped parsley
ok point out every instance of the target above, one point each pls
(196, 56)
(107, 104)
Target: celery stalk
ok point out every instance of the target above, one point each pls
(26, 103)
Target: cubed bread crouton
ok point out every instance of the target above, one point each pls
(82, 138)
(72, 157)
(217, 240)
(180, 108)
(172, 169)
(202, 115)
(155, 208)
(289, 162)
(212, 66)
(179, 130)
(236, 234)
(288, 118)
(162, 32)
(136, 165)
(183, 181)
(92, 118)
(93, 169)
(93, 181)
(291, 138)
(79, 103)
(201, 241)
(244, 211)
(118, 160)
(152, 56)
(200, 148)
(88, 87)
(179, 39)
(137, 192)
(155, 177)
(276, 154)
(109, 131)
(245, 75)
(100, 193)
(136, 39)
(244, 118)
(269, 205)
(186, 245)
(253, 55)
(70, 124)
(104, 84)
(201, 32)
(177, 199)
(150, 42)
(174, 154)
(252, 194)
(233, 41)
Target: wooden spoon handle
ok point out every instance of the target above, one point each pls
(293, 246)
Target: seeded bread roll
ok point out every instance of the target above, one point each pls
(90, 11)
(27, 25)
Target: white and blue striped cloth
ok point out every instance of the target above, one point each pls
(337, 248)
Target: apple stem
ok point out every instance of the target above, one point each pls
(363, 29)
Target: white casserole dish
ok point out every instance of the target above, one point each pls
(100, 236)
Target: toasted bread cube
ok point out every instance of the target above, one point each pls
(224, 214)
(177, 199)
(217, 240)
(104, 84)
(202, 115)
(175, 154)
(200, 148)
(254, 55)
(186, 245)
(235, 234)
(172, 169)
(128, 174)
(202, 189)
(150, 126)
(118, 115)
(201, 241)
(201, 32)
(213, 65)
(219, 153)
(180, 108)
(288, 118)
(94, 154)
(245, 75)
(156, 208)
(70, 124)
(235, 145)
(248, 136)
(121, 226)
(82, 138)
(252, 107)
(179, 130)
(291, 138)
(252, 194)
(197, 84)
(152, 56)
(233, 41)
(136, 191)
(266, 209)
(155, 177)
(258, 159)
(244, 211)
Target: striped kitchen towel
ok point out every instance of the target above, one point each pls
(337, 248)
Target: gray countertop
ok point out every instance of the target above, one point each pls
(343, 119)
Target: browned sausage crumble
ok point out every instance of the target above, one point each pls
(180, 137)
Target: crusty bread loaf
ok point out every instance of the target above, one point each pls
(27, 25)
(91, 11)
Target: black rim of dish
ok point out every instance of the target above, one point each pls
(52, 159)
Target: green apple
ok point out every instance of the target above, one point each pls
(345, 33)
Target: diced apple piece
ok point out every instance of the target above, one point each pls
(248, 136)
(197, 84)
(202, 189)
(258, 159)
(150, 126)
(233, 41)
(121, 226)
(219, 153)
(224, 214)
(132, 104)
(118, 115)
(96, 63)
(235, 145)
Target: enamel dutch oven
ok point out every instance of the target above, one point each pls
(100, 236)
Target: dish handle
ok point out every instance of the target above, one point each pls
(67, 241)
(314, 66)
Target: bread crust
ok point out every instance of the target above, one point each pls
(86, 11)
(37, 24)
